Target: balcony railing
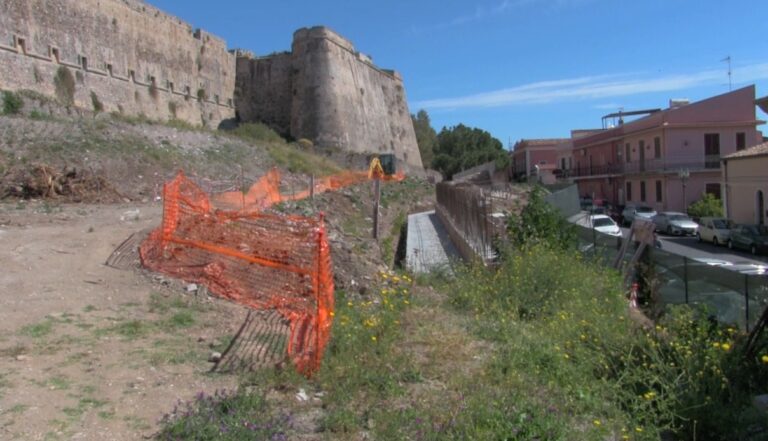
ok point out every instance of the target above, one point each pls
(708, 162)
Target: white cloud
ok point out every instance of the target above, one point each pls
(595, 87)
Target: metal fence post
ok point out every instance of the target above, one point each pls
(746, 302)
(685, 277)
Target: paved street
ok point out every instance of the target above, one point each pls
(690, 247)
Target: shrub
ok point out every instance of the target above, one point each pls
(305, 144)
(64, 82)
(173, 108)
(97, 105)
(566, 343)
(708, 205)
(257, 132)
(539, 222)
(12, 103)
(202, 95)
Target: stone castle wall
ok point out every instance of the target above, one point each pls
(127, 55)
(326, 91)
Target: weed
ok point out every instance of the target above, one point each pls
(225, 416)
(12, 103)
(18, 408)
(98, 107)
(256, 132)
(106, 414)
(90, 308)
(83, 405)
(37, 330)
(64, 83)
(132, 329)
(59, 383)
(179, 320)
(13, 351)
(39, 116)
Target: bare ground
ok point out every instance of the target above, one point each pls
(88, 351)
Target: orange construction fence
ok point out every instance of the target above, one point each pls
(260, 260)
(266, 191)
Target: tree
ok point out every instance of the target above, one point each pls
(426, 136)
(708, 205)
(459, 148)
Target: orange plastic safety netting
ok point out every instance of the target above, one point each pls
(263, 261)
(266, 191)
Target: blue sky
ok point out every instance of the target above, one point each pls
(523, 68)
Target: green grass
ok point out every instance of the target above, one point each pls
(59, 382)
(37, 330)
(132, 329)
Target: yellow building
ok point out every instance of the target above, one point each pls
(745, 178)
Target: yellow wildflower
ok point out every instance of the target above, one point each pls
(596, 422)
(726, 346)
(764, 359)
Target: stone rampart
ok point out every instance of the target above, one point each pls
(123, 55)
(338, 97)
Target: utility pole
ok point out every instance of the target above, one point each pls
(730, 73)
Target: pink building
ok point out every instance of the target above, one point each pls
(669, 158)
(528, 153)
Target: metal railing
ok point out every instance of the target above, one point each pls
(708, 162)
(727, 295)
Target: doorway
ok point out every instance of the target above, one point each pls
(759, 208)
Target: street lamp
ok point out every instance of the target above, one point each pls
(683, 173)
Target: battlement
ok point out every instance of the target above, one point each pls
(125, 54)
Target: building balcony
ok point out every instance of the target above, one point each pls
(706, 163)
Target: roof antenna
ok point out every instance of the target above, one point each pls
(728, 59)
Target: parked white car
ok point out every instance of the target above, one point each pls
(715, 229)
(604, 224)
(672, 222)
(631, 212)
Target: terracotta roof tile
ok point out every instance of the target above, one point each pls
(758, 150)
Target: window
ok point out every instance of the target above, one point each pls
(21, 45)
(642, 191)
(626, 150)
(562, 163)
(712, 150)
(713, 189)
(658, 191)
(657, 147)
(741, 140)
(629, 191)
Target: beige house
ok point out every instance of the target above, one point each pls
(745, 178)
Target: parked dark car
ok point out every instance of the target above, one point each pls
(753, 238)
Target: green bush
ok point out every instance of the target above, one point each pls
(97, 105)
(540, 222)
(255, 132)
(708, 205)
(566, 343)
(64, 82)
(12, 103)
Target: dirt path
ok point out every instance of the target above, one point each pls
(90, 352)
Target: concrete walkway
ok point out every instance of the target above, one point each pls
(428, 247)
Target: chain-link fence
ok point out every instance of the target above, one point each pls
(732, 294)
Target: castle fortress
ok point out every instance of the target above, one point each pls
(129, 57)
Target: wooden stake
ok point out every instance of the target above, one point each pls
(376, 199)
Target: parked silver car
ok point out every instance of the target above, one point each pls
(631, 212)
(672, 222)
